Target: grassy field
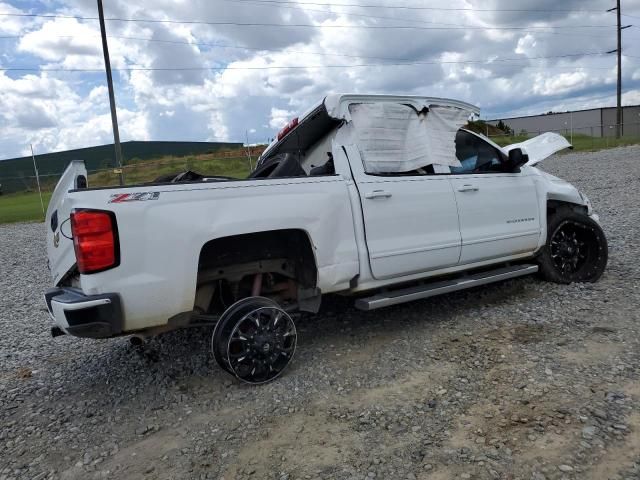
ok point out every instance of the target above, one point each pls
(22, 207)
(141, 172)
(25, 207)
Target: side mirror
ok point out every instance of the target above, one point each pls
(517, 158)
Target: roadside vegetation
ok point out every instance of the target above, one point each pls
(22, 207)
(147, 171)
(25, 207)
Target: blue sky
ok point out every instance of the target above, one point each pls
(508, 57)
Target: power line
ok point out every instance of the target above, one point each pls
(302, 67)
(302, 25)
(411, 7)
(297, 6)
(590, 35)
(300, 52)
(217, 45)
(8, 37)
(347, 14)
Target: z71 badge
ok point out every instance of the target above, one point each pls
(134, 197)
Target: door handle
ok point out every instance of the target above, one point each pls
(378, 194)
(468, 188)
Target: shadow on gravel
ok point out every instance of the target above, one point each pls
(175, 359)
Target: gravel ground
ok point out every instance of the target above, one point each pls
(519, 380)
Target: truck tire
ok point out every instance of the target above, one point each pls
(254, 340)
(576, 248)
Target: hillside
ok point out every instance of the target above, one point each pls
(25, 205)
(230, 163)
(17, 174)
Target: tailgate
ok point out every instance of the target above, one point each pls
(60, 254)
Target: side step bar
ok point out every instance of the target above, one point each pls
(396, 297)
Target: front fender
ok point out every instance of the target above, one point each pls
(553, 189)
(550, 187)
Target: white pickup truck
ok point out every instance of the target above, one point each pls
(383, 198)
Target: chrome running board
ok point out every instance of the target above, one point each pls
(395, 297)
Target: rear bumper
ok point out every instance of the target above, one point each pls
(80, 315)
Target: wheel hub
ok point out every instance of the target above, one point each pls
(568, 249)
(265, 344)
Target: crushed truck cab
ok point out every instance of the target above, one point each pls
(383, 198)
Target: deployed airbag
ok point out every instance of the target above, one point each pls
(394, 138)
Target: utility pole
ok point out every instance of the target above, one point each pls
(619, 83)
(619, 94)
(112, 98)
(35, 168)
(249, 152)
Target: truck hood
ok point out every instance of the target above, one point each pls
(540, 147)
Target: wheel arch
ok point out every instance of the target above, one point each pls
(553, 205)
(289, 252)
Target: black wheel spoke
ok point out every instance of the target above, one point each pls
(275, 320)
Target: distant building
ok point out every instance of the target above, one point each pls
(594, 122)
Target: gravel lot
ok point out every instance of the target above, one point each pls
(520, 380)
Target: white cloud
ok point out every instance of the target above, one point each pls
(244, 93)
(559, 83)
(526, 45)
(52, 116)
(60, 38)
(98, 94)
(631, 98)
(279, 118)
(12, 25)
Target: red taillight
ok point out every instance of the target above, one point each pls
(95, 240)
(290, 126)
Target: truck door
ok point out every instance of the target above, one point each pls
(498, 210)
(411, 224)
(410, 214)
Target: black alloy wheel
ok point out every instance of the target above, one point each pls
(576, 249)
(254, 340)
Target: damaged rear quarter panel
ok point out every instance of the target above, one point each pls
(161, 240)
